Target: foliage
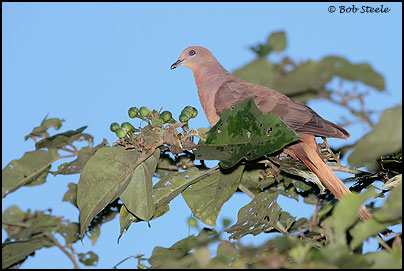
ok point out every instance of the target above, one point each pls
(150, 165)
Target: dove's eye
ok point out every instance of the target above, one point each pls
(191, 53)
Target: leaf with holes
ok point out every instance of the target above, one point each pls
(31, 167)
(261, 214)
(206, 198)
(243, 131)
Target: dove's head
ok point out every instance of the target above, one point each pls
(194, 57)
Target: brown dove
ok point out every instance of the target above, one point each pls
(218, 89)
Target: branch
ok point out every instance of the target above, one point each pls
(344, 103)
(69, 255)
(345, 169)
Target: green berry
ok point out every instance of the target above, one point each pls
(114, 126)
(184, 117)
(195, 112)
(187, 111)
(133, 112)
(144, 111)
(166, 116)
(121, 132)
(127, 126)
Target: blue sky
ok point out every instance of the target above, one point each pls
(89, 62)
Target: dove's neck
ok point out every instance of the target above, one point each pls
(209, 78)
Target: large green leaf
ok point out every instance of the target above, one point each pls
(103, 179)
(384, 138)
(137, 196)
(31, 166)
(206, 198)
(244, 131)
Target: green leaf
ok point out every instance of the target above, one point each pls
(297, 168)
(286, 220)
(260, 71)
(41, 223)
(103, 179)
(206, 198)
(252, 178)
(261, 214)
(305, 81)
(392, 208)
(178, 255)
(76, 165)
(15, 252)
(89, 258)
(60, 140)
(384, 138)
(71, 194)
(41, 179)
(383, 260)
(137, 196)
(160, 256)
(94, 233)
(41, 131)
(12, 215)
(32, 165)
(243, 131)
(355, 72)
(390, 213)
(171, 186)
(277, 41)
(71, 232)
(346, 212)
(125, 219)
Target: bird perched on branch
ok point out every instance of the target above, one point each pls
(218, 89)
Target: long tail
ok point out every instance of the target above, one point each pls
(307, 151)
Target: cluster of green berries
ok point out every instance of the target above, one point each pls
(123, 130)
(166, 117)
(187, 113)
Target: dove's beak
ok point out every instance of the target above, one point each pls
(176, 64)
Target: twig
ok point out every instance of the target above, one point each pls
(246, 190)
(19, 224)
(336, 157)
(114, 267)
(382, 243)
(69, 255)
(344, 169)
(67, 156)
(66, 149)
(361, 114)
